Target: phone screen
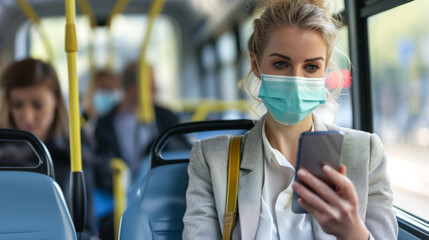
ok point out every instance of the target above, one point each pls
(316, 149)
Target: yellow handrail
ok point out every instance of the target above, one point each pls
(208, 106)
(146, 113)
(120, 173)
(110, 62)
(32, 16)
(86, 9)
(117, 9)
(74, 116)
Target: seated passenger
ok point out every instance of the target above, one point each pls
(103, 94)
(119, 134)
(291, 50)
(32, 101)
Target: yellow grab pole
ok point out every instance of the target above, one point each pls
(117, 9)
(91, 58)
(77, 181)
(32, 16)
(146, 113)
(208, 106)
(110, 62)
(86, 9)
(120, 185)
(74, 116)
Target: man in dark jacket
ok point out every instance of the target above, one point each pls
(120, 134)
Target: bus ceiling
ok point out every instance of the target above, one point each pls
(198, 19)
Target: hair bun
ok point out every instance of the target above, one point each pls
(327, 5)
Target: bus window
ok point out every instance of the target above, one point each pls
(343, 116)
(208, 65)
(54, 26)
(245, 30)
(122, 42)
(162, 51)
(399, 58)
(226, 50)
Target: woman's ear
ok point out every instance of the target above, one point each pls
(254, 65)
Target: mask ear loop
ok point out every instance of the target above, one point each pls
(257, 65)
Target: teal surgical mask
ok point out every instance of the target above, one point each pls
(104, 101)
(289, 98)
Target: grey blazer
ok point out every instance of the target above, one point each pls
(363, 156)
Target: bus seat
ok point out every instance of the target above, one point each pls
(144, 169)
(159, 204)
(135, 183)
(32, 205)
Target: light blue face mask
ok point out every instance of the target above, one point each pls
(289, 98)
(104, 101)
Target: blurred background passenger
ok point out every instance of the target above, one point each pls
(31, 100)
(103, 94)
(119, 134)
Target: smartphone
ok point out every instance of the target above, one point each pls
(316, 149)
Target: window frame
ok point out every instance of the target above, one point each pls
(356, 15)
(412, 224)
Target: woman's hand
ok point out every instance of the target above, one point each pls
(336, 211)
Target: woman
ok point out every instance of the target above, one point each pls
(32, 101)
(290, 50)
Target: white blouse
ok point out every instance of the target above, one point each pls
(276, 199)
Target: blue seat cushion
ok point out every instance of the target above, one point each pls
(32, 206)
(159, 205)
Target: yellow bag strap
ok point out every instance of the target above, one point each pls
(232, 188)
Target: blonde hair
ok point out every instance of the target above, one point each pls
(313, 15)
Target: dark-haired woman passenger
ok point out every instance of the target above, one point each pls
(291, 50)
(31, 100)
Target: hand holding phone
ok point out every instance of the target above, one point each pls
(316, 149)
